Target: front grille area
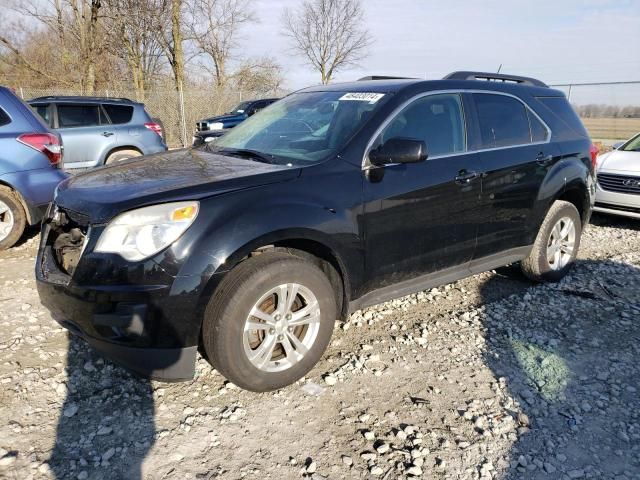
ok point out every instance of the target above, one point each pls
(202, 126)
(619, 183)
(622, 208)
(67, 236)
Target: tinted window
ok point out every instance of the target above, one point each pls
(563, 109)
(44, 111)
(119, 113)
(4, 118)
(78, 115)
(538, 130)
(503, 121)
(435, 119)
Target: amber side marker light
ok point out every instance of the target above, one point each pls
(184, 213)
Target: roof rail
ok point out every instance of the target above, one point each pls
(82, 97)
(495, 77)
(383, 77)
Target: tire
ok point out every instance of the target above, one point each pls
(13, 218)
(121, 155)
(552, 242)
(248, 287)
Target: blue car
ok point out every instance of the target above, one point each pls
(100, 131)
(30, 167)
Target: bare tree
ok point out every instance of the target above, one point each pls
(328, 34)
(134, 25)
(261, 76)
(213, 27)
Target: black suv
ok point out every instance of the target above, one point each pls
(334, 198)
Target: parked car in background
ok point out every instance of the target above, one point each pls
(339, 197)
(207, 136)
(30, 167)
(100, 131)
(618, 173)
(239, 114)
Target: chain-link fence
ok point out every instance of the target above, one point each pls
(610, 111)
(177, 113)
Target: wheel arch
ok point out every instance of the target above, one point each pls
(119, 148)
(20, 199)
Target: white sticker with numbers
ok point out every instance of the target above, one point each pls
(362, 97)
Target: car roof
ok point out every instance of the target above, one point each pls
(81, 99)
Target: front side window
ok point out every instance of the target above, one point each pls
(72, 115)
(503, 121)
(435, 119)
(305, 126)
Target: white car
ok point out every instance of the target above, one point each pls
(618, 172)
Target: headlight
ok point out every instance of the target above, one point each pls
(216, 126)
(141, 233)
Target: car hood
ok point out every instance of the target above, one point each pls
(227, 117)
(619, 161)
(191, 174)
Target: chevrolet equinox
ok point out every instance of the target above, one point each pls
(332, 199)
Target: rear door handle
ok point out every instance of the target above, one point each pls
(544, 160)
(464, 177)
(107, 134)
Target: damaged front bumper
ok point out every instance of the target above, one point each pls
(134, 313)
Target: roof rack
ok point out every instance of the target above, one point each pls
(495, 77)
(383, 77)
(85, 98)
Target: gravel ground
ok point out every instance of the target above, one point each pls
(489, 377)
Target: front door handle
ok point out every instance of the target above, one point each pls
(544, 160)
(464, 177)
(107, 134)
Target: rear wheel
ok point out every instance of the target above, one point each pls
(13, 218)
(121, 155)
(269, 321)
(556, 245)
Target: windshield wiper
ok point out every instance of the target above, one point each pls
(247, 153)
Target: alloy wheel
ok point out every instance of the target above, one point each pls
(7, 220)
(281, 327)
(561, 243)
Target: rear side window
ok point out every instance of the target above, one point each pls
(78, 115)
(538, 130)
(4, 118)
(503, 121)
(436, 119)
(44, 111)
(118, 113)
(563, 109)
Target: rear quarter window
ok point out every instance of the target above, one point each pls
(119, 113)
(4, 118)
(562, 109)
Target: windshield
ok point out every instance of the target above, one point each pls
(306, 127)
(240, 108)
(632, 145)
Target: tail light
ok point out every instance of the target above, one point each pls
(153, 126)
(47, 143)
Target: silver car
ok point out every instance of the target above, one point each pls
(618, 189)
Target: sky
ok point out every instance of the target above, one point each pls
(557, 41)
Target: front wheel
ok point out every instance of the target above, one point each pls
(556, 245)
(269, 321)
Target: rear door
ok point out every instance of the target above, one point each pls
(86, 133)
(515, 153)
(423, 217)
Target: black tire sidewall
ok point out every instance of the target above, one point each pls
(563, 210)
(224, 324)
(19, 219)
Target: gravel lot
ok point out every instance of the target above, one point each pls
(489, 377)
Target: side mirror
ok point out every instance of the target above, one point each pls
(399, 150)
(617, 145)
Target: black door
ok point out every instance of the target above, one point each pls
(422, 217)
(515, 161)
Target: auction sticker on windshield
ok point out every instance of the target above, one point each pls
(362, 97)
